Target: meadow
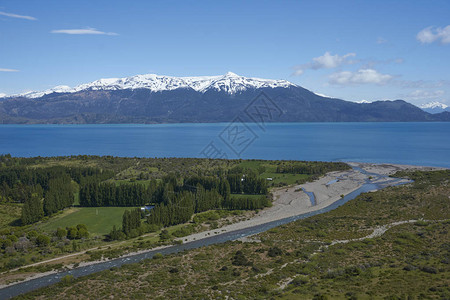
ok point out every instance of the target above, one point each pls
(99, 220)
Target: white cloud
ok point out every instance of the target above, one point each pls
(299, 72)
(8, 70)
(362, 76)
(329, 61)
(83, 31)
(326, 61)
(2, 13)
(429, 35)
(422, 94)
(2, 95)
(381, 40)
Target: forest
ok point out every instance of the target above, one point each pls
(56, 205)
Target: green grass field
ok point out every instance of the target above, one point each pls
(99, 220)
(286, 179)
(270, 172)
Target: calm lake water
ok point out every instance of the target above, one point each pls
(405, 143)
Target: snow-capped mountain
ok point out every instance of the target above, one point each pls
(230, 83)
(208, 99)
(435, 107)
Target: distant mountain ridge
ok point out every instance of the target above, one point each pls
(230, 83)
(435, 107)
(165, 99)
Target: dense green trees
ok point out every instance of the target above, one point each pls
(108, 194)
(43, 190)
(32, 210)
(246, 203)
(176, 196)
(59, 195)
(131, 220)
(177, 204)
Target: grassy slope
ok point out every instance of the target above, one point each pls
(410, 260)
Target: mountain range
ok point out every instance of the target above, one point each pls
(435, 107)
(154, 98)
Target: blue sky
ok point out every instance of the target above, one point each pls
(353, 50)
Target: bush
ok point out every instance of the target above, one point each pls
(299, 280)
(72, 233)
(32, 234)
(116, 234)
(82, 233)
(164, 235)
(429, 269)
(6, 243)
(42, 240)
(15, 263)
(239, 259)
(183, 231)
(158, 256)
(206, 216)
(274, 251)
(13, 238)
(82, 226)
(61, 233)
(67, 279)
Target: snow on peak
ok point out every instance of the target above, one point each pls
(434, 104)
(363, 102)
(230, 83)
(231, 74)
(322, 95)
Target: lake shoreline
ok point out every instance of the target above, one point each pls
(386, 142)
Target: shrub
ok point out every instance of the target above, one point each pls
(164, 235)
(12, 238)
(72, 233)
(274, 251)
(183, 231)
(158, 256)
(32, 234)
(61, 232)
(15, 263)
(299, 280)
(239, 259)
(42, 240)
(67, 279)
(429, 269)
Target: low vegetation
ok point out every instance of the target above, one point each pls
(328, 256)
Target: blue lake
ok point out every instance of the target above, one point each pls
(405, 143)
